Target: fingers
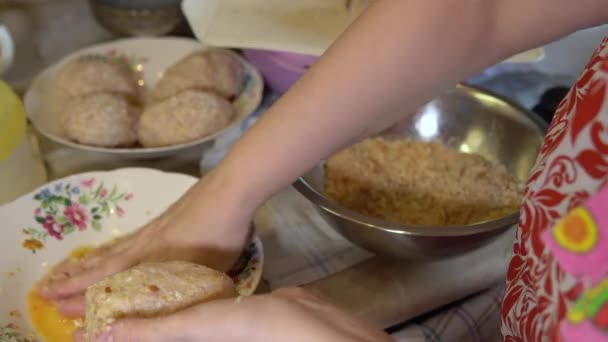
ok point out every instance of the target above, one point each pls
(71, 307)
(215, 321)
(79, 336)
(65, 269)
(149, 330)
(60, 272)
(68, 269)
(78, 283)
(73, 276)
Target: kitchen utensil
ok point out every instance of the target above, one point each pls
(464, 118)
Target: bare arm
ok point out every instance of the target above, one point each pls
(394, 58)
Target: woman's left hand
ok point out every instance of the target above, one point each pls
(284, 315)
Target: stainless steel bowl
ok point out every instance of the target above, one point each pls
(464, 118)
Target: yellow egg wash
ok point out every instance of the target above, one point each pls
(81, 252)
(48, 322)
(51, 325)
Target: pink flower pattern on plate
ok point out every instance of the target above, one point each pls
(76, 215)
(53, 228)
(88, 183)
(78, 206)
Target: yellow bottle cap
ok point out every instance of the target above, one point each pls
(12, 121)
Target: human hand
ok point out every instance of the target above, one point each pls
(285, 315)
(206, 226)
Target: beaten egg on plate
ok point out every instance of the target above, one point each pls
(49, 324)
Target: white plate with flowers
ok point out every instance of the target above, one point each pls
(42, 228)
(149, 58)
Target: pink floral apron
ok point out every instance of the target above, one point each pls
(555, 283)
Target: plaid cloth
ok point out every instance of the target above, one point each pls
(474, 319)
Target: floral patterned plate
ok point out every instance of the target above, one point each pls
(41, 228)
(149, 57)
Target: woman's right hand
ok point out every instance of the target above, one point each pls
(207, 225)
(293, 315)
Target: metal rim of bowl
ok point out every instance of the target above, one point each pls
(329, 206)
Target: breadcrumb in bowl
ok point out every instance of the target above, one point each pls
(424, 205)
(420, 183)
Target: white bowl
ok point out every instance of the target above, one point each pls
(125, 200)
(154, 56)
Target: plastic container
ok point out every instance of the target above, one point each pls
(21, 166)
(280, 69)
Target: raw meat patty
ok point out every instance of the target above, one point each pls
(92, 74)
(214, 70)
(151, 290)
(185, 117)
(104, 120)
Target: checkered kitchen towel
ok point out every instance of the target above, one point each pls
(474, 319)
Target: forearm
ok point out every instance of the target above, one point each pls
(396, 57)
